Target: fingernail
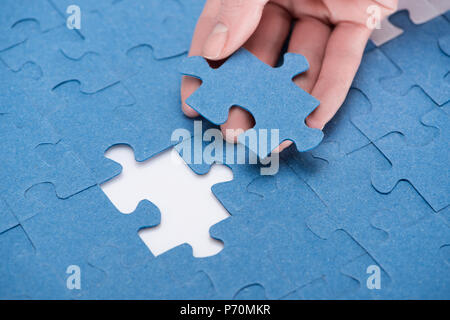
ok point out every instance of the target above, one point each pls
(215, 42)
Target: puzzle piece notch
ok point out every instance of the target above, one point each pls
(262, 104)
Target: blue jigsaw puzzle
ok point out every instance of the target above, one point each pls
(372, 196)
(284, 107)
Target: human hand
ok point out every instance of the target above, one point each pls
(331, 34)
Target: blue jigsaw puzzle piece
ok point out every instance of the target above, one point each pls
(423, 166)
(423, 63)
(230, 270)
(389, 112)
(306, 262)
(18, 19)
(247, 90)
(44, 50)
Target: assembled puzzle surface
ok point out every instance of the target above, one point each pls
(363, 215)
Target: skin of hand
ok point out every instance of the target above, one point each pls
(331, 34)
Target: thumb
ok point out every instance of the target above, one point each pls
(235, 23)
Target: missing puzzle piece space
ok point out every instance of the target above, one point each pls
(188, 207)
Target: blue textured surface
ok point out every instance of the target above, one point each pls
(20, 20)
(386, 226)
(423, 166)
(426, 64)
(375, 192)
(33, 153)
(90, 70)
(249, 90)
